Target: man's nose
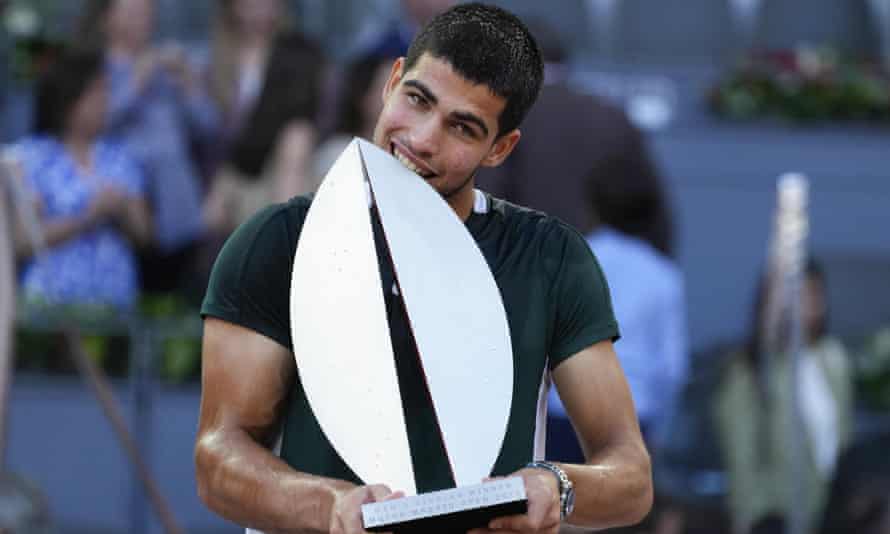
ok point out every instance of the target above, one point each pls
(426, 137)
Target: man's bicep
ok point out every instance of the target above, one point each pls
(597, 398)
(246, 378)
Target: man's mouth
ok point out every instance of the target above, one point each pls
(411, 163)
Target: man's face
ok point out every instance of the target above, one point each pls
(441, 126)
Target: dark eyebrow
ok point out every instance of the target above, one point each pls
(469, 117)
(459, 115)
(424, 90)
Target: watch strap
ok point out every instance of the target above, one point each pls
(565, 485)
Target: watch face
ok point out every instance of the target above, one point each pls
(570, 501)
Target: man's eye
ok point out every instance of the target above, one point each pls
(464, 130)
(415, 99)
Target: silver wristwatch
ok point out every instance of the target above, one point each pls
(566, 489)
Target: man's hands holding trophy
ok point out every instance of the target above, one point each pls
(541, 488)
(543, 516)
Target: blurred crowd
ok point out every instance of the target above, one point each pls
(146, 155)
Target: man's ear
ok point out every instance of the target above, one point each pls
(501, 148)
(395, 76)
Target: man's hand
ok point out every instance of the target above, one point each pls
(346, 514)
(542, 492)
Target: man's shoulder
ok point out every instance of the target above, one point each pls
(292, 212)
(528, 218)
(273, 229)
(549, 234)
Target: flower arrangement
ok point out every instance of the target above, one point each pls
(805, 84)
(35, 40)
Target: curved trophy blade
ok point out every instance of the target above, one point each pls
(340, 333)
(455, 310)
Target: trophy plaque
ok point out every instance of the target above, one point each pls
(345, 356)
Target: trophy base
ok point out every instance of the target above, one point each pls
(448, 511)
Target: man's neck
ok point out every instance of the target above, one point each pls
(462, 201)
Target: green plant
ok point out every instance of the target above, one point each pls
(873, 370)
(35, 39)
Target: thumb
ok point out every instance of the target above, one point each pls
(378, 492)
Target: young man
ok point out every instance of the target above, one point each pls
(451, 106)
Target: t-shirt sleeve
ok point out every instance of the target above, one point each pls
(250, 282)
(583, 306)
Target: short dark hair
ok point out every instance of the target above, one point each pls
(486, 45)
(62, 85)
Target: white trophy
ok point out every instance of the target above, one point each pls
(345, 357)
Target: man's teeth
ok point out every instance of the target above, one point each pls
(407, 163)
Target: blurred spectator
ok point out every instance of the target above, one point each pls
(649, 300)
(648, 295)
(360, 103)
(4, 71)
(753, 417)
(244, 32)
(394, 38)
(859, 499)
(568, 137)
(271, 157)
(88, 193)
(158, 107)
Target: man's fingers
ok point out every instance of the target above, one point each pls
(519, 523)
(522, 523)
(378, 492)
(394, 495)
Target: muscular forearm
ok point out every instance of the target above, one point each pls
(612, 489)
(247, 484)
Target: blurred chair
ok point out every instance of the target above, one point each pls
(843, 24)
(673, 32)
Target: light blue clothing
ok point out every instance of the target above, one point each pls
(156, 124)
(648, 299)
(97, 266)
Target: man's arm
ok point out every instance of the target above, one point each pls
(246, 378)
(614, 487)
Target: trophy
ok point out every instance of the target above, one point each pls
(345, 357)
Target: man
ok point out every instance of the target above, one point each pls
(451, 106)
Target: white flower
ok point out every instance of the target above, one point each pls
(21, 21)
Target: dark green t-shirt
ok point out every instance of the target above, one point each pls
(554, 293)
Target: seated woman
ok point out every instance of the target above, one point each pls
(754, 417)
(87, 193)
